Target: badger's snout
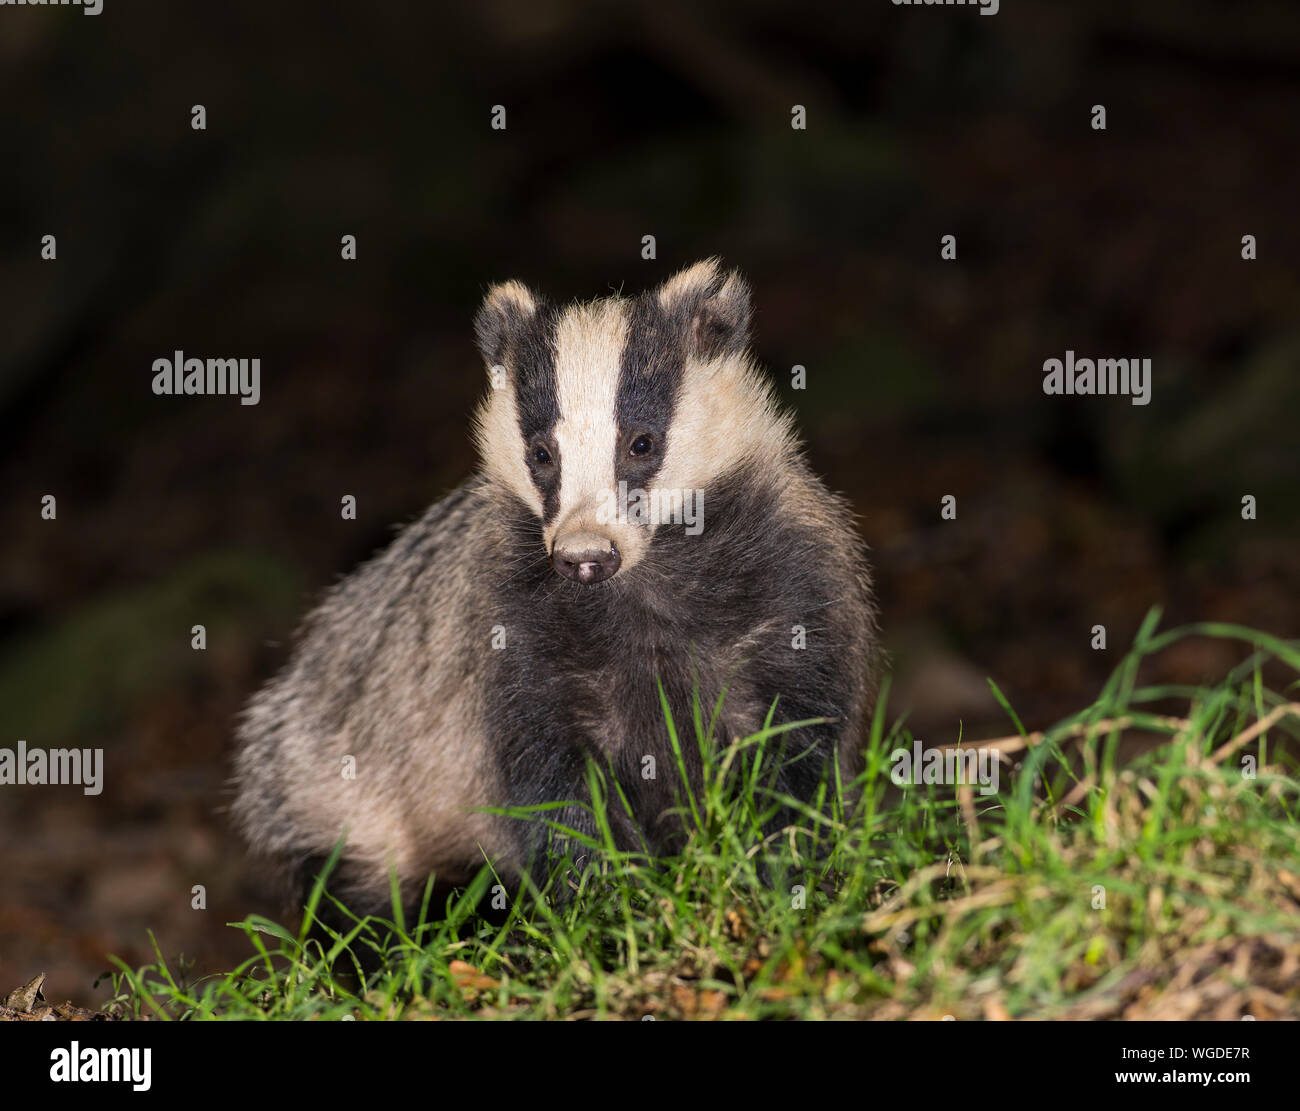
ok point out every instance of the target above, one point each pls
(585, 557)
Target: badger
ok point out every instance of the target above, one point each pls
(643, 531)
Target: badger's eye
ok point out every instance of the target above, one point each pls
(642, 445)
(540, 455)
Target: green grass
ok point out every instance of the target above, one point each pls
(1164, 886)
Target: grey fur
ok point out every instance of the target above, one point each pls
(397, 669)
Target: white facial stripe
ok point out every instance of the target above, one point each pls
(589, 343)
(500, 448)
(725, 414)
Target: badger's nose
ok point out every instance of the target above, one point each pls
(585, 558)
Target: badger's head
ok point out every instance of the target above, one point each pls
(621, 402)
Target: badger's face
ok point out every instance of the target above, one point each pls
(601, 410)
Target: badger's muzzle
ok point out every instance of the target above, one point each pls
(585, 557)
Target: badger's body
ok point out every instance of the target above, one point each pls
(520, 625)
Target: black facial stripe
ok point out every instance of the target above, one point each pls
(649, 381)
(546, 477)
(531, 359)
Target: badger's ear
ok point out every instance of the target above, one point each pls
(506, 308)
(713, 306)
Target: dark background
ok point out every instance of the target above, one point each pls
(625, 119)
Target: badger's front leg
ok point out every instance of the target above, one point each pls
(542, 772)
